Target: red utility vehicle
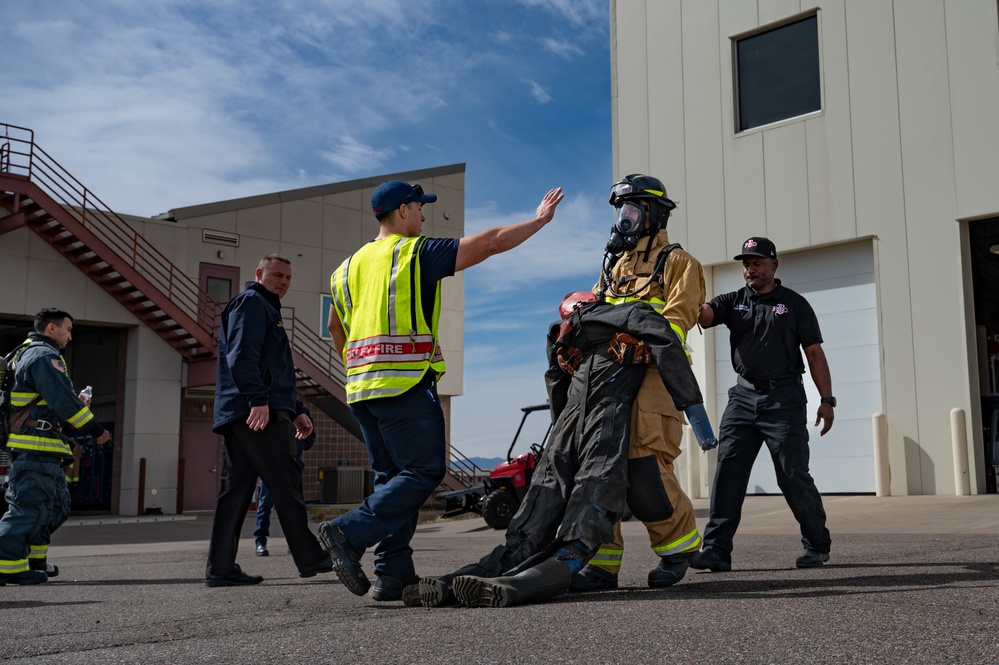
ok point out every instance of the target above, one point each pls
(498, 497)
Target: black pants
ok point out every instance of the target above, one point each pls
(779, 418)
(268, 454)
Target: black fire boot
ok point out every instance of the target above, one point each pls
(548, 579)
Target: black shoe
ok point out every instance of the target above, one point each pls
(236, 578)
(592, 578)
(708, 560)
(346, 562)
(262, 549)
(812, 559)
(388, 588)
(429, 592)
(324, 566)
(24, 577)
(51, 570)
(669, 572)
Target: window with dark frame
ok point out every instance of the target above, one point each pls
(777, 74)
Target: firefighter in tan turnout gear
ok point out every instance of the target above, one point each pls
(641, 264)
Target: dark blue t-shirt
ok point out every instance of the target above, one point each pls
(437, 259)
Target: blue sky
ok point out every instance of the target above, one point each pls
(156, 105)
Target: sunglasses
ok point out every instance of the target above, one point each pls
(414, 194)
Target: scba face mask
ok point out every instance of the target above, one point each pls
(629, 227)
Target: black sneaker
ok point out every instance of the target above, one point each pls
(708, 560)
(388, 588)
(24, 577)
(236, 578)
(346, 562)
(592, 578)
(812, 559)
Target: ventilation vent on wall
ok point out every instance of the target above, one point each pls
(220, 237)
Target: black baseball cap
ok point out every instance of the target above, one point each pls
(757, 246)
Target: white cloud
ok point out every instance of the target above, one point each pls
(353, 157)
(562, 47)
(540, 94)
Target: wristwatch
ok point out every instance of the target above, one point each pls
(831, 401)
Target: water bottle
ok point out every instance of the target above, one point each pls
(86, 394)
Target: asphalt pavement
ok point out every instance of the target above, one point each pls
(911, 580)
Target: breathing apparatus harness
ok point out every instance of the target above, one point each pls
(643, 210)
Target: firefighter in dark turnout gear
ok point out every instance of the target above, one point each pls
(42, 401)
(598, 358)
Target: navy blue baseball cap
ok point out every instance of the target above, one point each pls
(393, 193)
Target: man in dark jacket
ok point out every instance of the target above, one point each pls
(255, 410)
(42, 401)
(598, 357)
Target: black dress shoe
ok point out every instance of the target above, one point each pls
(324, 566)
(236, 578)
(262, 550)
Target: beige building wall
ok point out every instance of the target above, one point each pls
(904, 151)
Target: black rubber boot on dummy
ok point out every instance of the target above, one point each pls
(545, 581)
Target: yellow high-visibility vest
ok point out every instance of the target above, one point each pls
(390, 344)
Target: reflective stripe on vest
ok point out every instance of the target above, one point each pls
(377, 295)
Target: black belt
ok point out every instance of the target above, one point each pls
(767, 386)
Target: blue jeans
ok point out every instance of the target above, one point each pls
(406, 443)
(778, 418)
(39, 504)
(264, 506)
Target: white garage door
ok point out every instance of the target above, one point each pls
(839, 284)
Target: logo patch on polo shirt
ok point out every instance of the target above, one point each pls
(741, 308)
(780, 309)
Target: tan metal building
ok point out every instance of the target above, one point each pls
(861, 137)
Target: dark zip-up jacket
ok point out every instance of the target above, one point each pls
(255, 367)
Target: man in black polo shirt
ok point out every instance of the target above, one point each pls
(767, 324)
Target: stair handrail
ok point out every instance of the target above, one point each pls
(312, 347)
(90, 211)
(464, 468)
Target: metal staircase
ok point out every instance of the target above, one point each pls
(36, 192)
(40, 194)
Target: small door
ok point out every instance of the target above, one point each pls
(201, 450)
(221, 283)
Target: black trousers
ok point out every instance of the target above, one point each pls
(777, 418)
(267, 454)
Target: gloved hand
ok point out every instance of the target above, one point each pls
(698, 419)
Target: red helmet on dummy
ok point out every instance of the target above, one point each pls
(573, 300)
